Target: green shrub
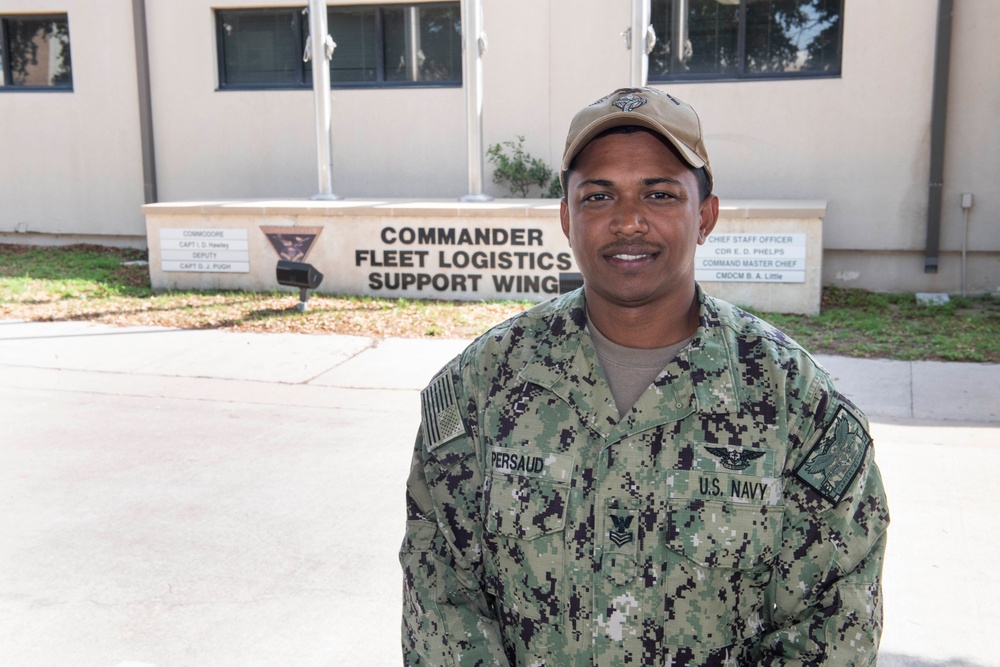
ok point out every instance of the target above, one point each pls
(518, 171)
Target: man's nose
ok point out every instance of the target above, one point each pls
(630, 219)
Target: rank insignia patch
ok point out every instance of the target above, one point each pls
(439, 405)
(836, 458)
(621, 535)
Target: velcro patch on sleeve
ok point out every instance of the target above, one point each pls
(837, 456)
(442, 421)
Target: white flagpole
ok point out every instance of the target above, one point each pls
(473, 49)
(640, 42)
(319, 49)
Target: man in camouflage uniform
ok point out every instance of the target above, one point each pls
(636, 473)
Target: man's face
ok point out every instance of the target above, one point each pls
(633, 219)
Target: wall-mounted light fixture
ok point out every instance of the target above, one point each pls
(569, 282)
(301, 275)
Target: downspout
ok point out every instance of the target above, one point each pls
(939, 110)
(145, 101)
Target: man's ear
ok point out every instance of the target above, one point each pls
(709, 216)
(564, 219)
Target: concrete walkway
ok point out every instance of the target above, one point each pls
(174, 497)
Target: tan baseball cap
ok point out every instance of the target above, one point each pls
(650, 108)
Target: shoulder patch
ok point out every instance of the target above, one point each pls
(441, 419)
(837, 456)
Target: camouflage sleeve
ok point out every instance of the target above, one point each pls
(826, 589)
(447, 618)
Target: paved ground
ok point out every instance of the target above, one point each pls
(174, 498)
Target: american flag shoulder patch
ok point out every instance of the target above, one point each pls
(439, 407)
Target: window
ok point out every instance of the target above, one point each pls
(745, 39)
(390, 45)
(34, 52)
(257, 48)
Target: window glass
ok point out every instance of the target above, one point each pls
(402, 43)
(785, 36)
(37, 52)
(710, 44)
(353, 30)
(706, 39)
(377, 45)
(441, 42)
(259, 47)
(423, 43)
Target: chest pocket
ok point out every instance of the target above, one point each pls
(722, 558)
(723, 534)
(526, 497)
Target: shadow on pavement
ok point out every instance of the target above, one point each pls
(897, 660)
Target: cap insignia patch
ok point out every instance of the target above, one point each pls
(629, 102)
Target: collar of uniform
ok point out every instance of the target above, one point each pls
(698, 379)
(565, 363)
(709, 359)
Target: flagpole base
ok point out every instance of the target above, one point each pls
(475, 198)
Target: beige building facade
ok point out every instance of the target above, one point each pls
(72, 159)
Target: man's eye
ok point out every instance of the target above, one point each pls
(663, 195)
(597, 196)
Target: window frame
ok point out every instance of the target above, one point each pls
(5, 61)
(304, 69)
(741, 74)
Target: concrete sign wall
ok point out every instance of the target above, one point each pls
(765, 255)
(512, 249)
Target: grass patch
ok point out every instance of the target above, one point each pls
(894, 326)
(85, 282)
